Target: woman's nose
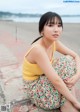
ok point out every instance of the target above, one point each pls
(55, 28)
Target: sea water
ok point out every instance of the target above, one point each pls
(66, 19)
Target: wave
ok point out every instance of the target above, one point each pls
(9, 14)
(21, 17)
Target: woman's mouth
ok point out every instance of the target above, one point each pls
(55, 35)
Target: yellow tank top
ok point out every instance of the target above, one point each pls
(32, 71)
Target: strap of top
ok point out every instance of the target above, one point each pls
(30, 49)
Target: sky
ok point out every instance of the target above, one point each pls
(40, 6)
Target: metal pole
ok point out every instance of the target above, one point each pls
(16, 33)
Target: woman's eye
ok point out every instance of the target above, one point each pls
(50, 25)
(59, 25)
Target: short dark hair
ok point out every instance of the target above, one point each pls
(49, 16)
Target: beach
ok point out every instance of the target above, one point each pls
(29, 31)
(15, 37)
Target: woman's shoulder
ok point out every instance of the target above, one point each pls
(57, 43)
(35, 49)
(36, 46)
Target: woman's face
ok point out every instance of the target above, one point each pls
(52, 30)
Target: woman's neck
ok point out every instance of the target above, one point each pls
(46, 43)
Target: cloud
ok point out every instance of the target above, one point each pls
(38, 6)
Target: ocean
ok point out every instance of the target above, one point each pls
(31, 18)
(68, 19)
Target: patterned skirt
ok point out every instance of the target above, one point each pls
(43, 93)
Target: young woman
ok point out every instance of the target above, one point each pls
(49, 82)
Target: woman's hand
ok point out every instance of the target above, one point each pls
(71, 81)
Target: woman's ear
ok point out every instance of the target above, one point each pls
(42, 33)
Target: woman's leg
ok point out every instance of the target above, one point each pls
(67, 106)
(66, 68)
(43, 94)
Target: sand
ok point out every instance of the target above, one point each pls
(29, 31)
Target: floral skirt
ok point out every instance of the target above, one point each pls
(43, 93)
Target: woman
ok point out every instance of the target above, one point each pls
(48, 81)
